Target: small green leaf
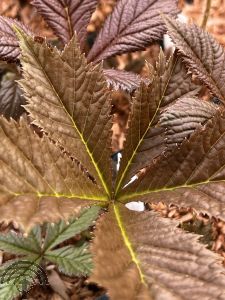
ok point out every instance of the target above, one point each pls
(35, 237)
(72, 260)
(17, 277)
(8, 291)
(63, 231)
(15, 243)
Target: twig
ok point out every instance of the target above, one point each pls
(7, 9)
(206, 13)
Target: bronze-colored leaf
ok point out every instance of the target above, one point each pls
(69, 99)
(37, 182)
(133, 25)
(66, 17)
(144, 256)
(182, 118)
(119, 79)
(145, 140)
(9, 46)
(11, 99)
(202, 53)
(193, 175)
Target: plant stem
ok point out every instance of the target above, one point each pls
(206, 13)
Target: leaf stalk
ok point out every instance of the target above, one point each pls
(206, 13)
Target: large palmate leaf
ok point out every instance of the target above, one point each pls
(68, 98)
(182, 119)
(144, 140)
(162, 262)
(37, 182)
(119, 79)
(9, 46)
(132, 26)
(72, 260)
(201, 52)
(193, 175)
(67, 16)
(11, 99)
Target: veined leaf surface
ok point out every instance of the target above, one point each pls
(68, 98)
(72, 260)
(202, 53)
(17, 275)
(162, 262)
(16, 243)
(193, 175)
(11, 99)
(37, 182)
(133, 25)
(9, 45)
(144, 140)
(64, 230)
(119, 79)
(183, 117)
(66, 17)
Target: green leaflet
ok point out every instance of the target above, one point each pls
(57, 233)
(17, 276)
(18, 244)
(62, 231)
(72, 260)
